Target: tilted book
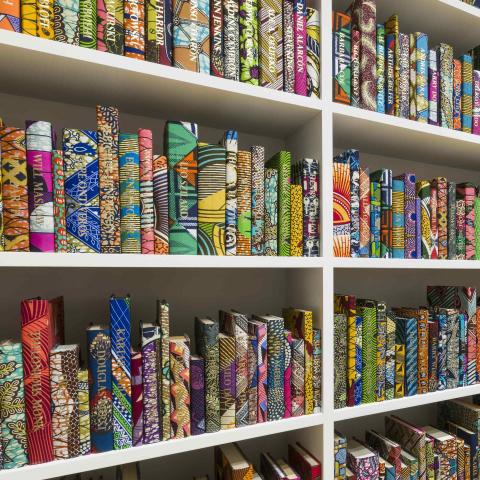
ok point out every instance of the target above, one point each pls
(304, 462)
(362, 461)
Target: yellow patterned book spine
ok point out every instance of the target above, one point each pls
(399, 370)
(296, 221)
(44, 19)
(28, 9)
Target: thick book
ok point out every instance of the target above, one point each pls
(259, 330)
(341, 206)
(134, 29)
(230, 142)
(362, 461)
(227, 381)
(181, 151)
(340, 454)
(470, 439)
(163, 322)
(313, 52)
(87, 30)
(467, 192)
(445, 66)
(421, 77)
(269, 467)
(364, 213)
(341, 57)
(137, 397)
(66, 16)
(467, 93)
(307, 465)
(45, 19)
(230, 462)
(160, 204)
(244, 203)
(258, 200)
(387, 448)
(110, 26)
(424, 195)
(147, 212)
(271, 212)
(10, 17)
(445, 446)
(288, 47)
(59, 211)
(380, 70)
(197, 394)
(300, 45)
(158, 41)
(367, 309)
(288, 472)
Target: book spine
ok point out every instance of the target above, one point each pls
(244, 202)
(134, 29)
(442, 216)
(288, 47)
(347, 305)
(230, 142)
(404, 75)
(271, 212)
(353, 159)
(217, 48)
(60, 224)
(84, 412)
(150, 360)
(121, 372)
(262, 382)
(423, 193)
(381, 351)
(211, 199)
(467, 94)
(452, 350)
(87, 29)
(421, 78)
(413, 77)
(298, 377)
(422, 339)
(341, 57)
(311, 210)
(300, 45)
(147, 213)
(11, 18)
(13, 420)
(433, 220)
(460, 228)
(14, 188)
(65, 21)
(441, 319)
(386, 214)
(137, 398)
(470, 221)
(457, 94)
(380, 71)
(40, 186)
(340, 374)
(108, 129)
(477, 227)
(248, 36)
(275, 369)
(399, 369)
(390, 74)
(445, 63)
(110, 30)
(197, 393)
(364, 213)
(45, 19)
(81, 193)
(313, 53)
(100, 381)
(231, 39)
(418, 234)
(462, 377)
(355, 69)
(369, 335)
(287, 375)
(433, 88)
(432, 356)
(258, 200)
(28, 15)
(478, 346)
(296, 221)
(180, 387)
(160, 202)
(412, 370)
(390, 357)
(164, 377)
(317, 370)
(252, 379)
(183, 205)
(36, 342)
(159, 31)
(270, 42)
(340, 456)
(398, 219)
(452, 220)
(64, 396)
(357, 392)
(227, 382)
(375, 219)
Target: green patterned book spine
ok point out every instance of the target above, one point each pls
(423, 193)
(248, 19)
(340, 373)
(381, 350)
(282, 162)
(271, 212)
(368, 310)
(88, 24)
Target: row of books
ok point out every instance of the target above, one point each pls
(409, 451)
(378, 215)
(384, 353)
(268, 43)
(384, 70)
(106, 191)
(475, 3)
(246, 371)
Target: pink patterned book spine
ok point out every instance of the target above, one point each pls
(137, 398)
(287, 377)
(476, 103)
(300, 46)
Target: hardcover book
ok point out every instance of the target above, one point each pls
(311, 207)
(271, 212)
(231, 463)
(110, 28)
(287, 376)
(300, 45)
(164, 378)
(66, 16)
(381, 350)
(197, 393)
(466, 192)
(340, 455)
(367, 309)
(445, 64)
(340, 344)
(380, 70)
(298, 377)
(217, 64)
(304, 462)
(258, 200)
(457, 94)
(160, 204)
(231, 40)
(445, 446)
(355, 69)
(244, 203)
(341, 57)
(137, 398)
(398, 218)
(467, 94)
(45, 19)
(288, 47)
(84, 413)
(28, 15)
(354, 161)
(87, 30)
(452, 219)
(392, 41)
(341, 206)
(227, 381)
(159, 41)
(10, 18)
(476, 103)
(134, 29)
(433, 221)
(433, 88)
(313, 52)
(362, 461)
(440, 185)
(230, 142)
(421, 77)
(364, 213)
(252, 394)
(375, 219)
(60, 222)
(259, 330)
(387, 448)
(384, 178)
(296, 221)
(413, 77)
(423, 193)
(390, 74)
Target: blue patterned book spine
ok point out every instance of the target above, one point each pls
(354, 161)
(421, 43)
(121, 372)
(467, 92)
(407, 334)
(462, 345)
(357, 396)
(375, 217)
(441, 319)
(381, 68)
(390, 357)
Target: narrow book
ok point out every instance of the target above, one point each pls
(134, 29)
(248, 36)
(59, 218)
(231, 39)
(288, 47)
(217, 64)
(87, 30)
(341, 206)
(341, 57)
(110, 29)
(467, 94)
(158, 41)
(227, 381)
(66, 16)
(271, 212)
(259, 330)
(230, 142)
(258, 200)
(163, 322)
(160, 203)
(137, 398)
(313, 52)
(197, 394)
(84, 412)
(10, 16)
(300, 45)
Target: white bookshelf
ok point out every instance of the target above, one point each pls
(47, 80)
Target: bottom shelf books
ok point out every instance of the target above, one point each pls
(447, 451)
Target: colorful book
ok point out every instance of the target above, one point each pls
(164, 380)
(259, 330)
(340, 386)
(230, 462)
(445, 64)
(227, 381)
(355, 69)
(433, 88)
(287, 375)
(45, 19)
(137, 398)
(248, 36)
(433, 220)
(432, 356)
(60, 223)
(298, 377)
(313, 52)
(375, 219)
(66, 21)
(317, 370)
(460, 228)
(423, 193)
(476, 103)
(386, 448)
(364, 213)
(467, 93)
(466, 192)
(362, 461)
(271, 212)
(87, 30)
(341, 57)
(457, 94)
(217, 64)
(244, 202)
(11, 18)
(445, 445)
(296, 221)
(84, 412)
(421, 77)
(110, 28)
(134, 29)
(197, 395)
(384, 179)
(390, 74)
(381, 351)
(230, 142)
(28, 15)
(380, 72)
(252, 395)
(147, 215)
(452, 220)
(160, 203)
(404, 75)
(231, 40)
(367, 309)
(340, 455)
(354, 162)
(258, 200)
(341, 206)
(398, 218)
(311, 208)
(158, 39)
(300, 45)
(441, 187)
(406, 334)
(306, 464)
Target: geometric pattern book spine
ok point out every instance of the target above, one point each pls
(300, 45)
(248, 22)
(160, 202)
(313, 53)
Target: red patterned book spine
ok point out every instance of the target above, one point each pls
(434, 220)
(287, 377)
(137, 398)
(37, 342)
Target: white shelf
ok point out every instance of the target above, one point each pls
(145, 452)
(405, 402)
(407, 264)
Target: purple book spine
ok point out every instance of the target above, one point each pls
(197, 394)
(418, 228)
(476, 103)
(300, 46)
(137, 394)
(287, 376)
(410, 215)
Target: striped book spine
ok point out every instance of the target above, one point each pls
(311, 210)
(258, 200)
(298, 377)
(110, 28)
(300, 45)
(460, 228)
(340, 375)
(313, 53)
(109, 180)
(375, 219)
(421, 78)
(100, 375)
(317, 370)
(364, 213)
(445, 64)
(384, 178)
(398, 219)
(353, 158)
(248, 36)
(231, 43)
(252, 379)
(84, 412)
(147, 213)
(137, 398)
(390, 357)
(227, 381)
(433, 88)
(134, 29)
(244, 202)
(341, 57)
(451, 220)
(271, 212)
(287, 375)
(163, 322)
(197, 393)
(380, 72)
(121, 372)
(28, 14)
(87, 30)
(400, 352)
(160, 204)
(296, 221)
(404, 75)
(390, 74)
(441, 187)
(259, 330)
(217, 50)
(381, 350)
(367, 309)
(230, 142)
(288, 47)
(40, 185)
(457, 94)
(467, 94)
(60, 223)
(45, 19)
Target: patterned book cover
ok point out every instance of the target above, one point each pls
(470, 440)
(364, 19)
(197, 394)
(150, 358)
(390, 74)
(107, 131)
(164, 378)
(100, 381)
(392, 31)
(66, 16)
(110, 28)
(362, 461)
(217, 50)
(430, 457)
(45, 19)
(244, 202)
(433, 220)
(355, 69)
(211, 199)
(445, 64)
(300, 45)
(10, 18)
(387, 448)
(440, 185)
(375, 219)
(84, 412)
(60, 223)
(64, 397)
(259, 330)
(406, 334)
(180, 386)
(87, 30)
(441, 320)
(384, 178)
(230, 142)
(287, 376)
(452, 346)
(28, 15)
(466, 192)
(472, 349)
(81, 190)
(227, 381)
(147, 212)
(317, 370)
(288, 47)
(270, 42)
(137, 397)
(403, 75)
(381, 350)
(248, 37)
(134, 29)
(340, 328)
(421, 77)
(364, 213)
(14, 188)
(296, 221)
(313, 52)
(452, 220)
(206, 337)
(380, 71)
(423, 193)
(231, 40)
(476, 103)
(38, 137)
(446, 446)
(398, 218)
(462, 335)
(37, 342)
(341, 206)
(457, 94)
(298, 377)
(400, 353)
(300, 323)
(304, 462)
(413, 77)
(433, 88)
(411, 462)
(340, 456)
(341, 57)
(367, 309)
(160, 204)
(432, 356)
(460, 228)
(258, 199)
(282, 163)
(181, 149)
(467, 98)
(159, 31)
(271, 212)
(236, 324)
(130, 214)
(354, 161)
(12, 424)
(121, 372)
(477, 226)
(252, 379)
